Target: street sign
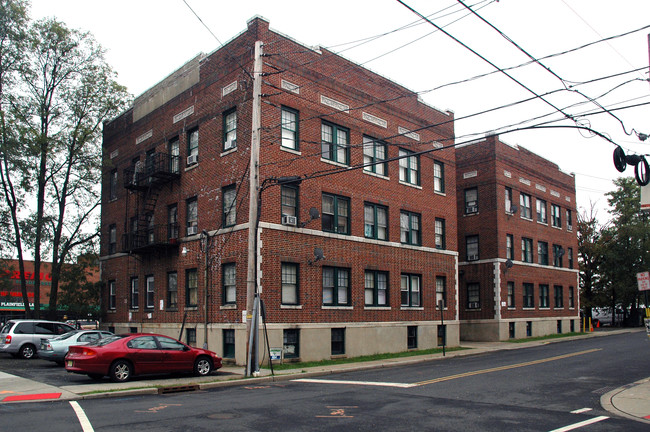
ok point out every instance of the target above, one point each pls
(643, 280)
(276, 354)
(645, 198)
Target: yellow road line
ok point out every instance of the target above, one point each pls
(501, 368)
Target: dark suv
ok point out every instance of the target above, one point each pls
(20, 338)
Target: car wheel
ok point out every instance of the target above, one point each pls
(121, 371)
(202, 366)
(27, 351)
(95, 377)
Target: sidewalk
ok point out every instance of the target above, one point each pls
(631, 401)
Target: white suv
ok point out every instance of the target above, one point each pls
(22, 337)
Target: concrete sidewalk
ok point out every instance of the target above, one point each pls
(630, 401)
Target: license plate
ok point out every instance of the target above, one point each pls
(70, 362)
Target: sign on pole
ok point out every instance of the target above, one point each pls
(643, 280)
(645, 198)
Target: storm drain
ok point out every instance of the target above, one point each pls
(178, 389)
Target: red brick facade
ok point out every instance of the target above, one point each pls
(327, 94)
(542, 222)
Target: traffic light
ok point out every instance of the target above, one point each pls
(641, 168)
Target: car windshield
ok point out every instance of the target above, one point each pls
(65, 335)
(105, 341)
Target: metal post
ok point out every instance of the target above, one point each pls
(442, 324)
(251, 280)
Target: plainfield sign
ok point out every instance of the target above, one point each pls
(14, 274)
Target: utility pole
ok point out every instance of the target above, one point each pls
(253, 215)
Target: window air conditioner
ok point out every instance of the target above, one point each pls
(473, 305)
(191, 230)
(230, 143)
(192, 159)
(471, 209)
(289, 220)
(472, 257)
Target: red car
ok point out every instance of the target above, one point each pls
(121, 357)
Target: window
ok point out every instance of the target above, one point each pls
(376, 288)
(572, 303)
(172, 290)
(526, 250)
(473, 296)
(409, 167)
(228, 343)
(334, 143)
(175, 155)
(558, 252)
(541, 211)
(510, 247)
(336, 286)
(471, 245)
(113, 185)
(410, 228)
(150, 292)
(336, 214)
(230, 129)
(192, 216)
(289, 284)
(556, 219)
(229, 206)
(289, 201)
(529, 328)
(172, 221)
(112, 239)
(438, 177)
(151, 237)
(570, 257)
(289, 128)
(559, 296)
(511, 295)
(410, 290)
(441, 291)
(135, 301)
(529, 301)
(543, 296)
(375, 221)
(542, 253)
(338, 341)
(112, 295)
(291, 343)
(524, 203)
(441, 238)
(190, 336)
(374, 156)
(193, 143)
(569, 221)
(411, 337)
(191, 288)
(508, 200)
(229, 275)
(471, 200)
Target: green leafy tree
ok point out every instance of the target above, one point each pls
(590, 256)
(63, 92)
(80, 292)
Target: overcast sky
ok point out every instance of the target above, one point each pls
(146, 40)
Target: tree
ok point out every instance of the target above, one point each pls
(590, 255)
(79, 293)
(64, 93)
(625, 245)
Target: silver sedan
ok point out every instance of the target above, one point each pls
(55, 349)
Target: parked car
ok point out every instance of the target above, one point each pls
(55, 349)
(21, 338)
(121, 357)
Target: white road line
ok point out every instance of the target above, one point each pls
(581, 410)
(365, 383)
(581, 424)
(81, 415)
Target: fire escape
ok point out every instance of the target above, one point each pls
(143, 235)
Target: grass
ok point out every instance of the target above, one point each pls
(538, 338)
(374, 357)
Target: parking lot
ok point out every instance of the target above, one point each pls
(43, 371)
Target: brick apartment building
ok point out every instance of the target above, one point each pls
(518, 269)
(361, 275)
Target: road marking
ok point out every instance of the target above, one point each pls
(81, 415)
(581, 424)
(366, 383)
(337, 412)
(581, 410)
(160, 407)
(502, 368)
(449, 377)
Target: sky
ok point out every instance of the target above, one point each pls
(594, 86)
